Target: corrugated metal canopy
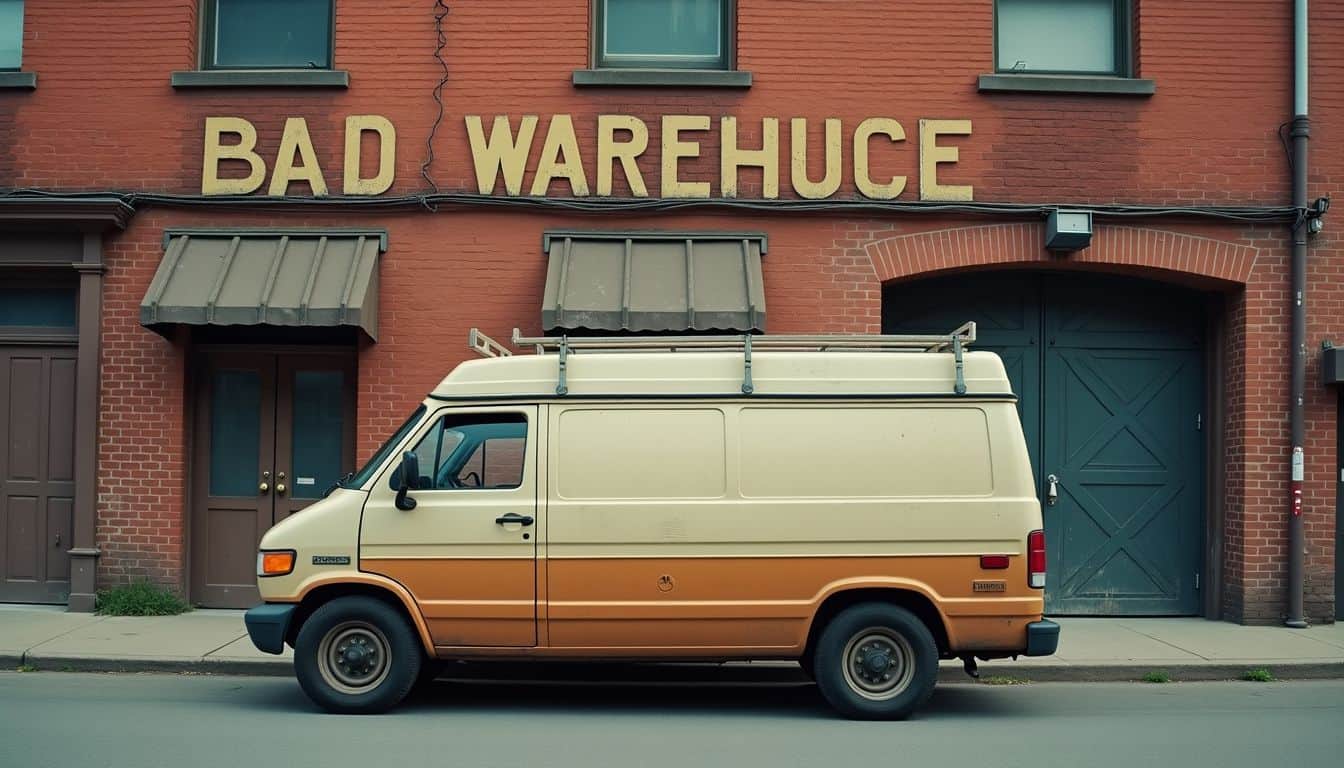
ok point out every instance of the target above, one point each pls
(654, 281)
(267, 277)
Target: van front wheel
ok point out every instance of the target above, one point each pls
(876, 662)
(356, 655)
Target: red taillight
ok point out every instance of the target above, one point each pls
(1036, 559)
(993, 562)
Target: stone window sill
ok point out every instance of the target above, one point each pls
(262, 78)
(1086, 84)
(690, 78)
(18, 81)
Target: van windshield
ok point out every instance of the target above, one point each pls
(362, 476)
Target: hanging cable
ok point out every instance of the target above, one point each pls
(440, 11)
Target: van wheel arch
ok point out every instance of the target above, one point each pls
(324, 594)
(910, 600)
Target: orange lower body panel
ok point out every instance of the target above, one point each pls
(688, 607)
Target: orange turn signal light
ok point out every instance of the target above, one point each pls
(275, 563)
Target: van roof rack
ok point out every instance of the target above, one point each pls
(954, 342)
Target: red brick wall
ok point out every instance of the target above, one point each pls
(104, 117)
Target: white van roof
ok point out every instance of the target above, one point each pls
(882, 366)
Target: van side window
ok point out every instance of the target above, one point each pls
(472, 452)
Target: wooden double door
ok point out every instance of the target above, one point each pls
(274, 430)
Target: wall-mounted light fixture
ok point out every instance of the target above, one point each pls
(1068, 230)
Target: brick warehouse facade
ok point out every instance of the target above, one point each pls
(110, 124)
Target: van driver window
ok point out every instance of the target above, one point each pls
(472, 452)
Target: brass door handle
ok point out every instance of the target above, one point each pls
(264, 487)
(280, 488)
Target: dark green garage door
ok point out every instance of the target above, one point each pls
(1109, 373)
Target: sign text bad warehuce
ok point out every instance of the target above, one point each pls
(622, 142)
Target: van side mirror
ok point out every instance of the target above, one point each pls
(409, 473)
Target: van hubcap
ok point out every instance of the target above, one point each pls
(879, 663)
(353, 657)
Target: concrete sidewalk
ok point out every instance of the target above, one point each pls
(210, 641)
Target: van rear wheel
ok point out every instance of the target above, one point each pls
(356, 655)
(876, 661)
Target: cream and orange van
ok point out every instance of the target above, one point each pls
(863, 505)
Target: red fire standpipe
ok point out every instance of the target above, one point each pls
(1301, 129)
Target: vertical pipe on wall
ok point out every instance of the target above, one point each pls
(1301, 129)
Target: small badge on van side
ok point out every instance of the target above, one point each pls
(989, 586)
(331, 559)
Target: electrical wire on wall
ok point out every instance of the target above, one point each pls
(434, 201)
(441, 41)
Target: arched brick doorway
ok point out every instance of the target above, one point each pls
(1110, 372)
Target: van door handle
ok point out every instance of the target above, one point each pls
(515, 519)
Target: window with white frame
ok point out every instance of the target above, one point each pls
(11, 34)
(1075, 37)
(664, 34)
(267, 34)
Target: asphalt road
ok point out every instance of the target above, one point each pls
(141, 721)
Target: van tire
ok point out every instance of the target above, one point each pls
(876, 661)
(379, 671)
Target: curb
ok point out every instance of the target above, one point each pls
(747, 673)
(196, 666)
(1134, 672)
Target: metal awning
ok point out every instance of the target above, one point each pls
(267, 277)
(654, 281)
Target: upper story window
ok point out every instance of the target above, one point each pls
(267, 34)
(1074, 37)
(11, 34)
(664, 34)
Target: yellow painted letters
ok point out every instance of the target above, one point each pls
(355, 126)
(862, 179)
(674, 149)
(560, 159)
(211, 184)
(930, 154)
(609, 150)
(830, 180)
(501, 152)
(732, 157)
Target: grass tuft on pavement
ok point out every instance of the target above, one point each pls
(1157, 676)
(139, 598)
(1258, 675)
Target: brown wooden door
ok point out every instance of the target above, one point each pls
(315, 435)
(274, 430)
(37, 478)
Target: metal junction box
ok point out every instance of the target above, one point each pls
(1332, 365)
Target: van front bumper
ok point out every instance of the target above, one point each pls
(268, 625)
(1042, 638)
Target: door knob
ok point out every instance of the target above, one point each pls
(1052, 492)
(264, 487)
(280, 488)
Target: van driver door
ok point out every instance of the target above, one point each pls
(467, 550)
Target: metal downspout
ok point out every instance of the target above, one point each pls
(1301, 129)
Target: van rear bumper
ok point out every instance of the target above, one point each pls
(268, 624)
(1042, 638)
